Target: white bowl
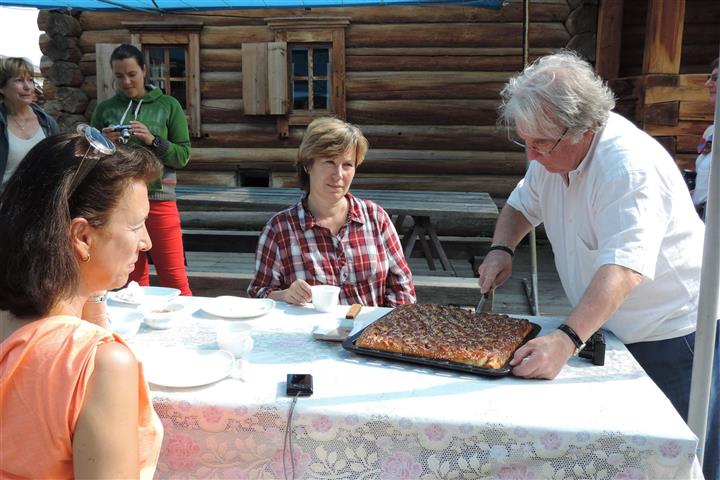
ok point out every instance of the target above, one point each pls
(235, 338)
(125, 321)
(325, 297)
(161, 316)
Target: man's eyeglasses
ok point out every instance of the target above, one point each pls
(98, 142)
(544, 147)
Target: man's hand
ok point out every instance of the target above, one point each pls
(543, 357)
(298, 293)
(494, 270)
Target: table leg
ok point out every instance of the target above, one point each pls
(409, 239)
(427, 225)
(424, 243)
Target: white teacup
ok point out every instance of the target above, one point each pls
(235, 338)
(325, 297)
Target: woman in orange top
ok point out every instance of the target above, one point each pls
(73, 399)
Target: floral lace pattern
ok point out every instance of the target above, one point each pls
(375, 419)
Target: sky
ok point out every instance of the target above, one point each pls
(19, 34)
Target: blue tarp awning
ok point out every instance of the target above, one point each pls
(196, 5)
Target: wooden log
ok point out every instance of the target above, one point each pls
(454, 35)
(62, 24)
(441, 137)
(214, 85)
(428, 63)
(688, 143)
(90, 38)
(696, 111)
(418, 112)
(666, 113)
(45, 64)
(233, 37)
(89, 86)
(87, 64)
(222, 111)
(190, 177)
(495, 185)
(689, 88)
(49, 89)
(73, 100)
(42, 19)
(43, 41)
(221, 59)
(425, 85)
(683, 127)
(59, 47)
(628, 87)
(244, 135)
(668, 143)
(65, 74)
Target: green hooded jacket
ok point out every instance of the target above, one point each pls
(164, 117)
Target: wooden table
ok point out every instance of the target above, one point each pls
(419, 205)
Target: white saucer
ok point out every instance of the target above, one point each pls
(150, 295)
(238, 307)
(182, 368)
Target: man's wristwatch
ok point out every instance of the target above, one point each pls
(574, 337)
(156, 142)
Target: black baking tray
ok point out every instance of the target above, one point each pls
(349, 344)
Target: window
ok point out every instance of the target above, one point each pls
(172, 51)
(167, 70)
(310, 72)
(301, 74)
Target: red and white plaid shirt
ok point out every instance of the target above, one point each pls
(365, 258)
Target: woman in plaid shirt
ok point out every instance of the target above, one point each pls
(331, 237)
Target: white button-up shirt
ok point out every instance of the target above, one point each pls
(626, 204)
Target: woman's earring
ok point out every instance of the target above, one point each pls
(86, 259)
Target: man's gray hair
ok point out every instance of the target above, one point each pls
(556, 92)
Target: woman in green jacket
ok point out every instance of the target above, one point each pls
(155, 121)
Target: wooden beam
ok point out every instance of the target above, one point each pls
(609, 38)
(663, 36)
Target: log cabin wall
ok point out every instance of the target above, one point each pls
(667, 97)
(422, 82)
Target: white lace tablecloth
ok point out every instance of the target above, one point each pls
(371, 418)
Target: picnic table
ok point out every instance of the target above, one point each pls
(421, 206)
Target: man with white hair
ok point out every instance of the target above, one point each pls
(627, 242)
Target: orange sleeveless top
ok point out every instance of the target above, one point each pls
(45, 369)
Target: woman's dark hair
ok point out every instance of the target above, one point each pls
(714, 64)
(126, 51)
(38, 266)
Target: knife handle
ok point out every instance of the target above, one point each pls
(354, 311)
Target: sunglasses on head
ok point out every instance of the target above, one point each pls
(101, 145)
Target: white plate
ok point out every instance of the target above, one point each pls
(181, 368)
(150, 295)
(238, 307)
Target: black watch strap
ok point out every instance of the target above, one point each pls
(502, 248)
(574, 337)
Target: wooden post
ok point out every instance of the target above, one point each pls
(663, 36)
(609, 38)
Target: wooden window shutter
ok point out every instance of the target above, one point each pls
(104, 76)
(265, 77)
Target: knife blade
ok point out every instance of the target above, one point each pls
(481, 303)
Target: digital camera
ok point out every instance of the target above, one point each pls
(124, 130)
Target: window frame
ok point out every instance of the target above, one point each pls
(310, 79)
(314, 30)
(168, 34)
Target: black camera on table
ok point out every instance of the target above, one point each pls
(125, 132)
(594, 349)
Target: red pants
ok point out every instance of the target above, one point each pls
(163, 225)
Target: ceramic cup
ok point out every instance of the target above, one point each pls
(325, 297)
(235, 338)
